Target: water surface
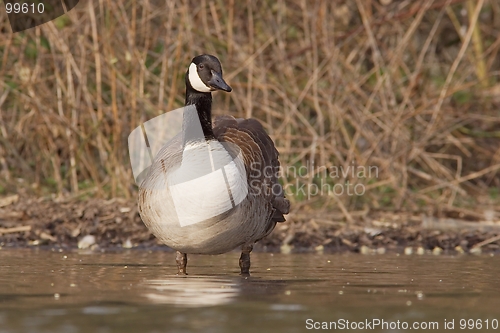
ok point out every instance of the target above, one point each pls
(138, 291)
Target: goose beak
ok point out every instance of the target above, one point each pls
(217, 82)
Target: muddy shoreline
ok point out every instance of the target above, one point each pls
(115, 224)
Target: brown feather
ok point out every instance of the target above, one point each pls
(261, 159)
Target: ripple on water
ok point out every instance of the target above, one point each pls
(137, 291)
(100, 310)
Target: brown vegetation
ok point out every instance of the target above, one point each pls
(113, 224)
(410, 88)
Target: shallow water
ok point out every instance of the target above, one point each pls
(137, 291)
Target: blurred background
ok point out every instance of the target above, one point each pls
(409, 88)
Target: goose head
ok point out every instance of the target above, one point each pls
(205, 75)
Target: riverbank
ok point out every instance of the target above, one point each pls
(107, 224)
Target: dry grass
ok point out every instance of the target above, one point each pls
(411, 88)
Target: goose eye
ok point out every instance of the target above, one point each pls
(201, 66)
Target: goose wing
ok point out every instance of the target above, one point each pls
(260, 157)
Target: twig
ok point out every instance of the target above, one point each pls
(486, 242)
(14, 229)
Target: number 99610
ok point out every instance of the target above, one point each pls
(24, 8)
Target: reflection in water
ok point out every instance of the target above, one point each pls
(132, 291)
(198, 291)
(191, 291)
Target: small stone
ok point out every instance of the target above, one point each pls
(57, 296)
(364, 249)
(420, 251)
(381, 250)
(437, 250)
(286, 249)
(86, 242)
(127, 244)
(459, 249)
(319, 248)
(475, 250)
(408, 251)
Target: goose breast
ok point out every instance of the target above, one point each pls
(214, 196)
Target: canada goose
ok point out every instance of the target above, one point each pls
(212, 188)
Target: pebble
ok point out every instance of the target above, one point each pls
(476, 250)
(319, 248)
(286, 249)
(364, 250)
(420, 251)
(437, 250)
(408, 251)
(127, 244)
(86, 242)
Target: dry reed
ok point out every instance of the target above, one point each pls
(410, 88)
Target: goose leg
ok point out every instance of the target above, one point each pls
(245, 259)
(181, 259)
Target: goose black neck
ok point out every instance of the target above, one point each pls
(203, 103)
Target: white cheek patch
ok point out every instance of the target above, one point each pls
(196, 81)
